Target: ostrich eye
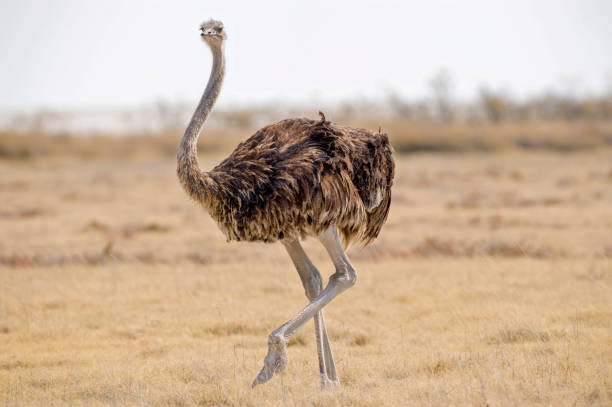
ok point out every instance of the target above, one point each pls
(219, 29)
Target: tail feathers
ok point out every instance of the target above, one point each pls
(375, 220)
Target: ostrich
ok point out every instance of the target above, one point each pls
(289, 180)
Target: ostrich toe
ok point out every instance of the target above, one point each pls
(274, 362)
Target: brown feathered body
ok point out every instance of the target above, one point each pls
(296, 178)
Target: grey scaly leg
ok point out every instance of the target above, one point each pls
(313, 284)
(344, 277)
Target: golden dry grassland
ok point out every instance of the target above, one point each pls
(489, 286)
(406, 137)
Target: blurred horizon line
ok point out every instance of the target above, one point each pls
(569, 86)
(440, 106)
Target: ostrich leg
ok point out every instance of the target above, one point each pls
(313, 284)
(344, 277)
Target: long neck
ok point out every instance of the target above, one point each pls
(197, 183)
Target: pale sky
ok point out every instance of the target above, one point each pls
(81, 54)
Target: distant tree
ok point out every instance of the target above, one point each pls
(401, 108)
(494, 104)
(441, 85)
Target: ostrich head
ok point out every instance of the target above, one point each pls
(212, 32)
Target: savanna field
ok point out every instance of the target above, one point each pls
(490, 285)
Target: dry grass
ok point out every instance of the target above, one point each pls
(559, 136)
(406, 137)
(490, 285)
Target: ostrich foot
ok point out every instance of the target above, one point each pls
(275, 361)
(328, 384)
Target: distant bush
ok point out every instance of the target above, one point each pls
(406, 135)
